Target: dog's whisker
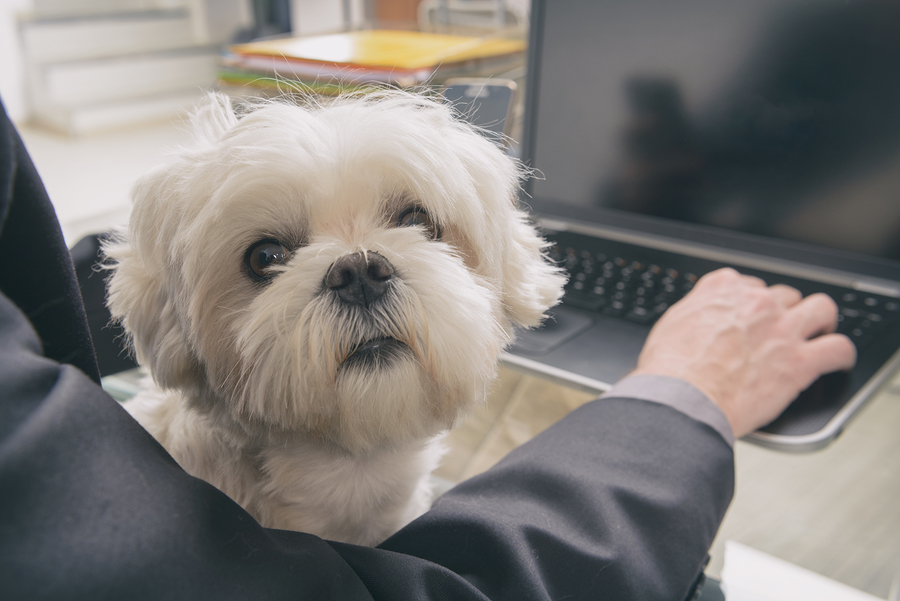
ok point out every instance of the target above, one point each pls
(428, 358)
(309, 323)
(325, 247)
(397, 323)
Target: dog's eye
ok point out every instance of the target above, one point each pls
(419, 217)
(262, 256)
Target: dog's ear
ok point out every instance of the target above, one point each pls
(143, 289)
(137, 301)
(531, 284)
(140, 295)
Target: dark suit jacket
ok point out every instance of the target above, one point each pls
(621, 500)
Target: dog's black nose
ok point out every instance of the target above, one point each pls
(360, 278)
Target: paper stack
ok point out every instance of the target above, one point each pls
(358, 58)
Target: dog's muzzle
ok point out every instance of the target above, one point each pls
(360, 278)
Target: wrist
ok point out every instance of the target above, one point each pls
(677, 393)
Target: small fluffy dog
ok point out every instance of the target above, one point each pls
(320, 291)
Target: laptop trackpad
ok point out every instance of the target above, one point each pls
(561, 325)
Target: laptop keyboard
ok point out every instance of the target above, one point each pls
(638, 284)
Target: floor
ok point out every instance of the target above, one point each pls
(836, 511)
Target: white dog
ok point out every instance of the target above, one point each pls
(319, 292)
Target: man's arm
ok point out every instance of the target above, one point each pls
(653, 456)
(619, 500)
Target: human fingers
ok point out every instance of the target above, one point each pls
(828, 353)
(728, 278)
(815, 315)
(785, 295)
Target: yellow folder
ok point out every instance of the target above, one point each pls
(382, 49)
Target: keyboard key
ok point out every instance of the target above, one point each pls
(614, 309)
(640, 315)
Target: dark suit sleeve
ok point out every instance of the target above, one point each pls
(36, 270)
(620, 500)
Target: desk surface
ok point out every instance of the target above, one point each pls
(835, 511)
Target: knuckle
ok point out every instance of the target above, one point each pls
(826, 301)
(722, 274)
(761, 297)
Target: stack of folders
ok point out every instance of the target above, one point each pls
(337, 62)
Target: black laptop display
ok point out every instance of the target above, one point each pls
(673, 138)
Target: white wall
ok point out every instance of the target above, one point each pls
(222, 18)
(12, 74)
(323, 16)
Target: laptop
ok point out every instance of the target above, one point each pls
(674, 138)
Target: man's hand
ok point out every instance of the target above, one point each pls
(750, 348)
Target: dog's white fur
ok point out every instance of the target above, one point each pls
(251, 391)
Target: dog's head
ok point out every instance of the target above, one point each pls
(348, 270)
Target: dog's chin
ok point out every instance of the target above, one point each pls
(376, 353)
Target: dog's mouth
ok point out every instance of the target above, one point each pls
(377, 351)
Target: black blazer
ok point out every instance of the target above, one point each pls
(620, 500)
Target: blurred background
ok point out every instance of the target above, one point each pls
(99, 88)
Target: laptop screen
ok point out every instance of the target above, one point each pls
(770, 124)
